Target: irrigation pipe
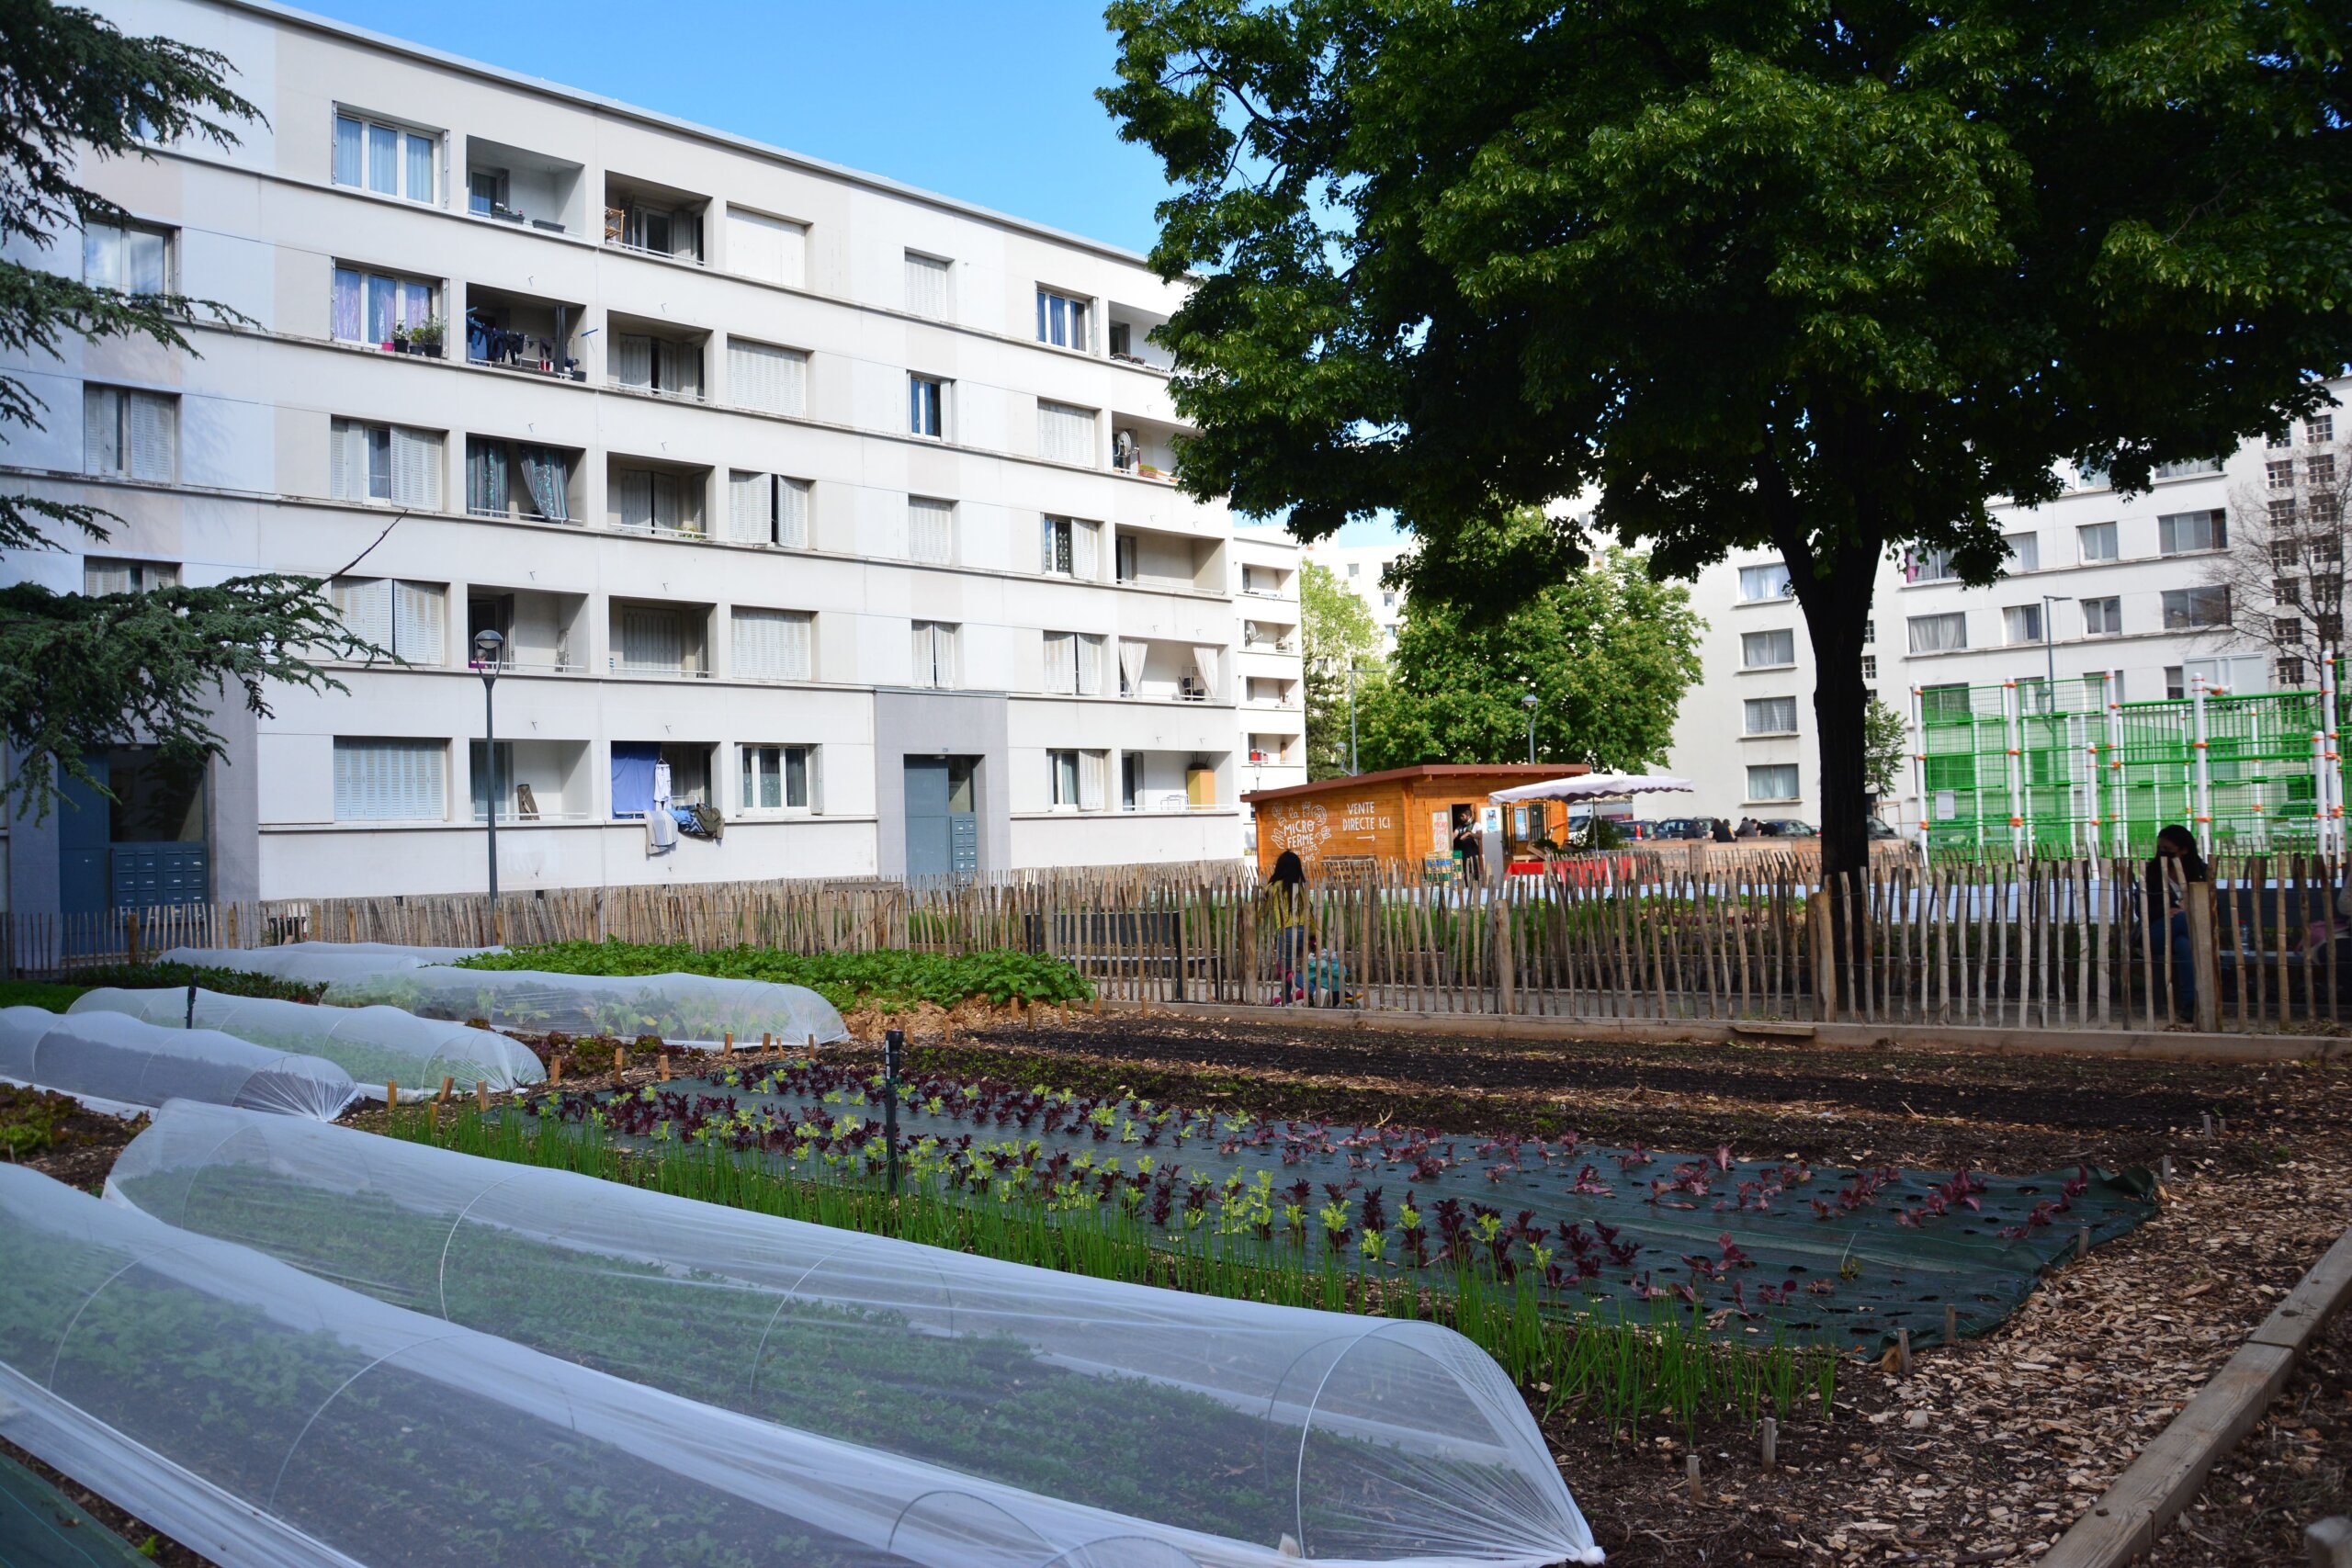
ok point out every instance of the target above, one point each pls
(2171, 1471)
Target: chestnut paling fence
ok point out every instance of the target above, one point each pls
(2061, 943)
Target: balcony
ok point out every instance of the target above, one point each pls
(1144, 448)
(1129, 335)
(656, 357)
(660, 637)
(1145, 558)
(539, 781)
(522, 481)
(1166, 672)
(1265, 583)
(654, 219)
(543, 633)
(646, 495)
(523, 332)
(1269, 636)
(1154, 781)
(1256, 691)
(514, 184)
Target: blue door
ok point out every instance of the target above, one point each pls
(85, 832)
(943, 830)
(145, 847)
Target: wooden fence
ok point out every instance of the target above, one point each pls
(2049, 943)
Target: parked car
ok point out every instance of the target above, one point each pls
(1683, 828)
(1878, 828)
(1785, 828)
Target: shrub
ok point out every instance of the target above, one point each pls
(893, 978)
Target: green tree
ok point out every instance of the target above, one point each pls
(79, 671)
(1888, 735)
(1751, 274)
(1607, 653)
(1335, 633)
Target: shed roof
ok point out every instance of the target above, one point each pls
(1516, 772)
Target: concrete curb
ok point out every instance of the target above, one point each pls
(2167, 1045)
(2171, 1471)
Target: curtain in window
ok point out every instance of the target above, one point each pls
(417, 303)
(749, 500)
(792, 512)
(387, 781)
(154, 436)
(1089, 666)
(1085, 556)
(675, 505)
(364, 605)
(420, 167)
(632, 499)
(1131, 658)
(1061, 664)
(417, 614)
(1204, 668)
(652, 637)
(383, 160)
(486, 477)
(1090, 781)
(677, 368)
(102, 430)
(543, 476)
(99, 578)
(1054, 547)
(1065, 434)
(383, 307)
(349, 310)
(633, 360)
(350, 157)
(929, 529)
(1938, 634)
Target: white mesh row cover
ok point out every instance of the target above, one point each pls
(376, 1046)
(320, 961)
(269, 1419)
(1223, 1429)
(695, 1011)
(128, 1064)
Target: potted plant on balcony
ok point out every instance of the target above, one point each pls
(426, 337)
(399, 340)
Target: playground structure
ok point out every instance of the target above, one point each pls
(2030, 769)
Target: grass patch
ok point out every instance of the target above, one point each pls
(226, 982)
(890, 980)
(37, 994)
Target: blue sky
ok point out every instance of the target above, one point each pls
(990, 102)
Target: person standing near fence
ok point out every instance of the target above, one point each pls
(1286, 891)
(2175, 865)
(1469, 846)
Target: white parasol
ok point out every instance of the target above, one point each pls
(1593, 787)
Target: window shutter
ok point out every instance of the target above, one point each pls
(1090, 781)
(794, 653)
(817, 780)
(1065, 434)
(749, 498)
(946, 637)
(792, 512)
(1061, 664)
(155, 427)
(416, 468)
(762, 376)
(102, 430)
(759, 645)
(391, 780)
(363, 604)
(340, 475)
(764, 247)
(1089, 666)
(929, 529)
(633, 360)
(417, 614)
(652, 637)
(920, 663)
(1086, 556)
(99, 578)
(926, 285)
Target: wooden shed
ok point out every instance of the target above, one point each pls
(1401, 815)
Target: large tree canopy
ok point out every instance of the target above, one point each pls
(1607, 655)
(1751, 274)
(81, 671)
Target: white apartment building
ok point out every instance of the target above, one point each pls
(841, 506)
(1359, 569)
(2097, 583)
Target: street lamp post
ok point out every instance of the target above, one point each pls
(488, 647)
(1528, 702)
(2049, 651)
(1354, 670)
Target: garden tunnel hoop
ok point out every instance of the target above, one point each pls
(112, 1406)
(119, 1065)
(1420, 1450)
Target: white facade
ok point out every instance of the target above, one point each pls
(814, 482)
(1359, 569)
(2119, 573)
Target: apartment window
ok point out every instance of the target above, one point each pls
(657, 639)
(1774, 780)
(101, 577)
(2328, 550)
(772, 249)
(2188, 608)
(1929, 566)
(2326, 508)
(1944, 704)
(2180, 532)
(1130, 780)
(1772, 715)
(1065, 434)
(934, 647)
(1073, 664)
(764, 377)
(391, 781)
(1939, 634)
(927, 285)
(516, 479)
(367, 306)
(2320, 429)
(930, 530)
(1061, 320)
(2286, 589)
(2095, 542)
(1074, 779)
(1870, 632)
(2025, 551)
(767, 509)
(927, 406)
(1355, 567)
(774, 645)
(385, 462)
(2320, 471)
(777, 778)
(132, 258)
(130, 435)
(1756, 582)
(1764, 651)
(390, 159)
(2280, 474)
(1070, 547)
(2281, 441)
(648, 363)
(405, 619)
(654, 501)
(2287, 629)
(2019, 623)
(2285, 554)
(1870, 666)
(2290, 672)
(2103, 617)
(658, 231)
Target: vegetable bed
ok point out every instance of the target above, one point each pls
(893, 980)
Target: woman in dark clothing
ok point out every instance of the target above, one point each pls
(1286, 890)
(1469, 848)
(2176, 863)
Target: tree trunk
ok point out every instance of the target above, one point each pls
(1836, 603)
